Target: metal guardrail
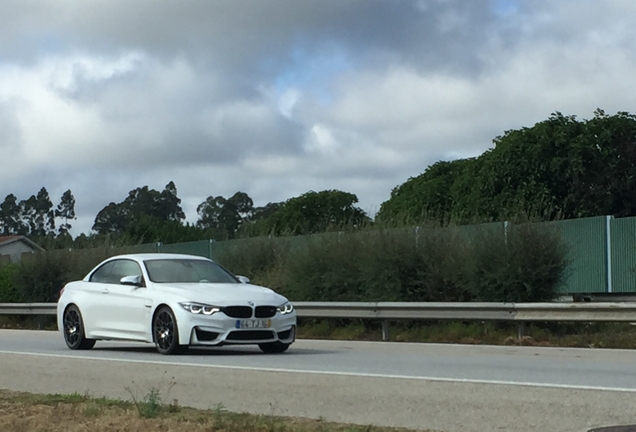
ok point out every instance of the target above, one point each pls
(28, 308)
(385, 311)
(411, 311)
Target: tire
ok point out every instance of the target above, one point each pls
(74, 334)
(274, 347)
(165, 332)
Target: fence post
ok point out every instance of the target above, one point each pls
(506, 232)
(417, 237)
(608, 251)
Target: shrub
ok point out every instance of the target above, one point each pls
(41, 278)
(325, 268)
(527, 265)
(416, 265)
(8, 290)
(429, 264)
(259, 258)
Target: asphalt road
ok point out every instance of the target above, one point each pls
(440, 387)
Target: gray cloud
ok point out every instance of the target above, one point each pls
(235, 35)
(279, 97)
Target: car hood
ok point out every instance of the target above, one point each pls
(222, 294)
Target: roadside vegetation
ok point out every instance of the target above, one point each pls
(429, 263)
(579, 335)
(575, 335)
(74, 412)
(524, 262)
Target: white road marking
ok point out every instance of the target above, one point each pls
(335, 373)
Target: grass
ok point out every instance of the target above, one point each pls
(74, 412)
(585, 335)
(28, 322)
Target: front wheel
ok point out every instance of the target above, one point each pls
(273, 347)
(74, 334)
(166, 333)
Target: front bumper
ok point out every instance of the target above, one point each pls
(219, 329)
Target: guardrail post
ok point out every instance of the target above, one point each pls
(521, 330)
(385, 330)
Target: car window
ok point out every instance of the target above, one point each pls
(113, 271)
(187, 270)
(102, 274)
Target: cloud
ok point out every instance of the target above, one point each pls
(279, 97)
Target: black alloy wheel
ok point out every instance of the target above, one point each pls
(74, 335)
(166, 333)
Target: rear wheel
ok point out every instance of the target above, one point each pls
(273, 347)
(166, 333)
(74, 334)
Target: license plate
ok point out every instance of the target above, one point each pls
(253, 323)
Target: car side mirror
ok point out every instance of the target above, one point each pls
(136, 280)
(243, 279)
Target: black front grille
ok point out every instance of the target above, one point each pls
(205, 336)
(238, 311)
(265, 311)
(250, 335)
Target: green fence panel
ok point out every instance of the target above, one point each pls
(140, 248)
(219, 249)
(585, 238)
(623, 247)
(586, 241)
(199, 248)
(476, 233)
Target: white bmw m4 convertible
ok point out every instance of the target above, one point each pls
(174, 301)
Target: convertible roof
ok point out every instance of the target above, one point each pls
(151, 256)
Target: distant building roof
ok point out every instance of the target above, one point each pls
(4, 240)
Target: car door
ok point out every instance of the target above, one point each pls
(94, 310)
(128, 314)
(121, 312)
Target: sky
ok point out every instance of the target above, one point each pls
(276, 98)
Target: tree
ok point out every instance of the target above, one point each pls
(264, 212)
(140, 202)
(10, 216)
(37, 215)
(224, 217)
(111, 219)
(27, 215)
(427, 196)
(150, 229)
(257, 223)
(558, 168)
(66, 210)
(169, 206)
(315, 212)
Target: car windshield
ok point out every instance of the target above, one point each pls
(187, 270)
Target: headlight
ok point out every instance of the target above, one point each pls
(285, 309)
(200, 308)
